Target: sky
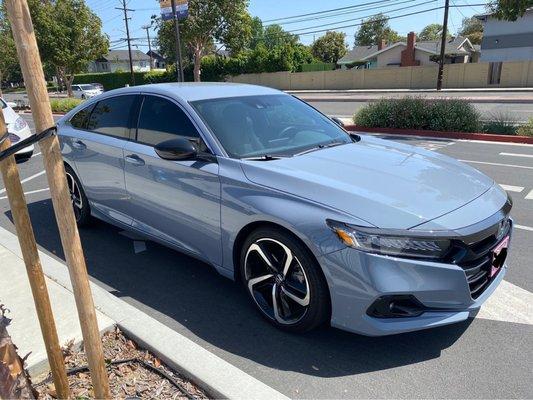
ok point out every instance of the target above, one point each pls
(273, 9)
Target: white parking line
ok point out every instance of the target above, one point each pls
(497, 164)
(525, 228)
(510, 188)
(27, 179)
(530, 195)
(517, 155)
(30, 192)
(509, 303)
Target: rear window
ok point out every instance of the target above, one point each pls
(112, 116)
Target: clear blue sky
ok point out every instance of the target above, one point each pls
(272, 9)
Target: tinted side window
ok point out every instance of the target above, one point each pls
(112, 116)
(79, 120)
(162, 120)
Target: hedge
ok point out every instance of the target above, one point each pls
(64, 105)
(449, 115)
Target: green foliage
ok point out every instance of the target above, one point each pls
(64, 105)
(501, 124)
(330, 47)
(526, 129)
(110, 81)
(472, 28)
(317, 67)
(419, 113)
(9, 65)
(510, 10)
(431, 32)
(275, 36)
(374, 29)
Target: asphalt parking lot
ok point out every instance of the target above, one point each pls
(490, 356)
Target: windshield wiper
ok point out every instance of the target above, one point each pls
(320, 147)
(264, 157)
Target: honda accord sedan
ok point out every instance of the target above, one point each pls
(321, 226)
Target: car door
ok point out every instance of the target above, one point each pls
(175, 201)
(97, 151)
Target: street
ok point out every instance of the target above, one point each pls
(486, 357)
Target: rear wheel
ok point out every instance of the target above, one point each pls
(78, 198)
(284, 280)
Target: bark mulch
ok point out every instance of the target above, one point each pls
(134, 373)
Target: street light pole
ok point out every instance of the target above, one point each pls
(443, 45)
(179, 66)
(147, 28)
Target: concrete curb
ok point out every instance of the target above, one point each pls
(486, 137)
(216, 376)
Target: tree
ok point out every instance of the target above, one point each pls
(9, 66)
(275, 35)
(223, 21)
(510, 10)
(472, 28)
(69, 36)
(374, 29)
(330, 47)
(431, 32)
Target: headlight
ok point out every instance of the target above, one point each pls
(20, 124)
(391, 243)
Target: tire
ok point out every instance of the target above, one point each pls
(83, 97)
(292, 296)
(80, 204)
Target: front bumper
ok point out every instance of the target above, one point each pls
(357, 279)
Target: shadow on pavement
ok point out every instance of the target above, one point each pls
(188, 295)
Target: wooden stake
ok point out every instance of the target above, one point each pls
(21, 218)
(32, 71)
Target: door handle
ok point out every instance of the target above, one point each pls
(78, 144)
(134, 159)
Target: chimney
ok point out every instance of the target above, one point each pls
(408, 55)
(411, 40)
(382, 44)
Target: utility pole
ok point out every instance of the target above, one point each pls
(147, 28)
(179, 66)
(443, 44)
(128, 39)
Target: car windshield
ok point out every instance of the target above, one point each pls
(2, 104)
(87, 87)
(268, 125)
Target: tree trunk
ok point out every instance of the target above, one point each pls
(69, 80)
(66, 80)
(197, 64)
(14, 379)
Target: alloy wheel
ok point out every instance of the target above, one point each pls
(75, 195)
(277, 281)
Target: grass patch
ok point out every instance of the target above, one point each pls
(526, 129)
(64, 105)
(452, 115)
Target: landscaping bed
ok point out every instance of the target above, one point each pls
(133, 373)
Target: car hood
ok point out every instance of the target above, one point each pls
(387, 184)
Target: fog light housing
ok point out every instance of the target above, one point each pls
(396, 306)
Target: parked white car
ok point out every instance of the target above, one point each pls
(85, 91)
(18, 129)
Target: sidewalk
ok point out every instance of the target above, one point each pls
(15, 294)
(216, 376)
(516, 96)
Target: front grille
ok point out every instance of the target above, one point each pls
(476, 258)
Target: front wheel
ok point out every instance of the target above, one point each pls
(80, 204)
(284, 280)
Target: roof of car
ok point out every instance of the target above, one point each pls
(200, 91)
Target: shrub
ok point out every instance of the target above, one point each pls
(501, 124)
(526, 129)
(111, 80)
(64, 105)
(421, 114)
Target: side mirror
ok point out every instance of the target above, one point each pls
(177, 149)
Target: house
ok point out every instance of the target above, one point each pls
(118, 60)
(507, 40)
(158, 61)
(411, 53)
